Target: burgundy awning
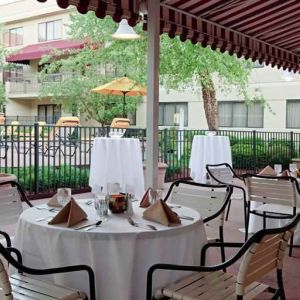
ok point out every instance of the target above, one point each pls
(264, 30)
(36, 51)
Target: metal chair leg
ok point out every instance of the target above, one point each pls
(228, 209)
(291, 245)
(280, 285)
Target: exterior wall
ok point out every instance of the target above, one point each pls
(267, 81)
(28, 14)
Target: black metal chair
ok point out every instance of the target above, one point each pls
(209, 200)
(224, 174)
(262, 253)
(11, 198)
(278, 198)
(19, 284)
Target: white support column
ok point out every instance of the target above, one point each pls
(152, 93)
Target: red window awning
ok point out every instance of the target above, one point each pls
(267, 31)
(36, 51)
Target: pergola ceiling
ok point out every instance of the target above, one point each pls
(264, 30)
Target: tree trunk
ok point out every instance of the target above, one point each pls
(209, 101)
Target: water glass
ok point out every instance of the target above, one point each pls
(293, 169)
(63, 195)
(101, 206)
(278, 169)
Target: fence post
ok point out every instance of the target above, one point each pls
(292, 145)
(165, 143)
(36, 158)
(254, 150)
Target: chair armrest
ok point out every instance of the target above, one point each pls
(7, 255)
(172, 267)
(20, 190)
(7, 238)
(17, 253)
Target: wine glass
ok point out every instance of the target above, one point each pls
(293, 167)
(278, 168)
(63, 196)
(154, 195)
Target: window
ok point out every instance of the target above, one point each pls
(50, 31)
(50, 113)
(169, 113)
(110, 70)
(238, 114)
(14, 37)
(292, 113)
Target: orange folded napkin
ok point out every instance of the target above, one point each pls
(161, 213)
(72, 214)
(268, 171)
(53, 201)
(145, 202)
(285, 173)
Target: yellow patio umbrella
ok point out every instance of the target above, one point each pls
(122, 86)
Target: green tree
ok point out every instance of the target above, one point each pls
(183, 65)
(2, 96)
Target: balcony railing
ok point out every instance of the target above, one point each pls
(31, 85)
(30, 120)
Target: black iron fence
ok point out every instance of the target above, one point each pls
(47, 157)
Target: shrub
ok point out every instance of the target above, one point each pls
(51, 177)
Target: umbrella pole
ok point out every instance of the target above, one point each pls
(124, 104)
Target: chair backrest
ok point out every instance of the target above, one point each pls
(10, 204)
(272, 190)
(206, 199)
(2, 120)
(12, 129)
(68, 122)
(120, 123)
(219, 173)
(5, 286)
(264, 255)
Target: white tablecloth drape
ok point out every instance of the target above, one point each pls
(117, 160)
(256, 223)
(119, 253)
(208, 150)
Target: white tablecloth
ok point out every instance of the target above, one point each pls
(117, 160)
(208, 150)
(119, 253)
(256, 223)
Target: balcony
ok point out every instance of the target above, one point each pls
(28, 87)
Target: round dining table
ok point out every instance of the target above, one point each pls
(117, 160)
(119, 253)
(208, 149)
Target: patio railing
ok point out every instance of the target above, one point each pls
(47, 157)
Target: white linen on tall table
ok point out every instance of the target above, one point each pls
(208, 150)
(117, 160)
(119, 253)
